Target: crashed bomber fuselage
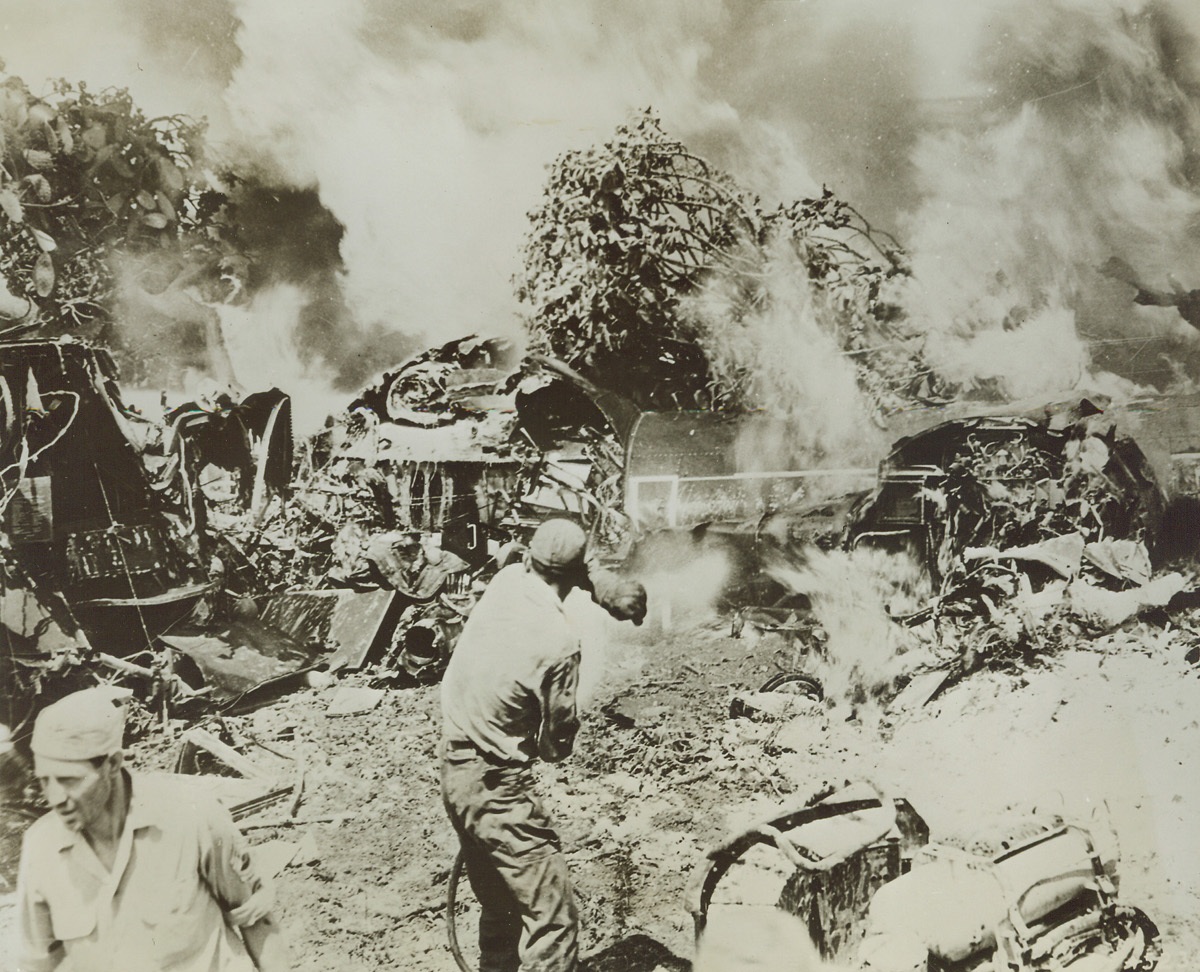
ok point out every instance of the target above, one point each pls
(81, 522)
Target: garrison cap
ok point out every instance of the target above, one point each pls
(82, 725)
(558, 545)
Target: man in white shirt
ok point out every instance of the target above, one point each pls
(129, 873)
(508, 699)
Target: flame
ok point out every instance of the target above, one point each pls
(260, 340)
(855, 595)
(797, 370)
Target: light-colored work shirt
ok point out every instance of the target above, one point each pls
(512, 679)
(180, 865)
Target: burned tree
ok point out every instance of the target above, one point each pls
(629, 233)
(84, 175)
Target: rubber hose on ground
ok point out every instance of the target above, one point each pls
(451, 906)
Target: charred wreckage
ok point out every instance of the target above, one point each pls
(209, 562)
(208, 557)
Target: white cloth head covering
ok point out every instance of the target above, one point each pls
(82, 725)
(558, 545)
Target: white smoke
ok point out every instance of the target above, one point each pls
(855, 595)
(173, 57)
(260, 339)
(1020, 214)
(1014, 146)
(431, 151)
(797, 371)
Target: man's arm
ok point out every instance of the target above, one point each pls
(38, 951)
(560, 721)
(244, 894)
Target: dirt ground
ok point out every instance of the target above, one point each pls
(661, 774)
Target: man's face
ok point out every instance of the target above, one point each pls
(76, 790)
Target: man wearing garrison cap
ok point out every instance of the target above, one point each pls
(508, 699)
(128, 873)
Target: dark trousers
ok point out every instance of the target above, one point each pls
(528, 917)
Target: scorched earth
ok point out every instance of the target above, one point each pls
(1106, 731)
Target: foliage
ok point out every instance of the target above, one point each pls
(82, 175)
(629, 233)
(1020, 492)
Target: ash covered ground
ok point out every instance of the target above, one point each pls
(661, 774)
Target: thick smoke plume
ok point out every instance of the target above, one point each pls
(1083, 147)
(1014, 147)
(428, 139)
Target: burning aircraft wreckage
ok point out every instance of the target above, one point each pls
(210, 563)
(235, 563)
(239, 560)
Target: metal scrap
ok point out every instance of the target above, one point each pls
(1009, 484)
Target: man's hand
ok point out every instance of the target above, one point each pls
(629, 604)
(555, 746)
(621, 597)
(560, 720)
(254, 908)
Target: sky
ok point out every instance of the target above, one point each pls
(1012, 146)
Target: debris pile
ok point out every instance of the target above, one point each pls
(1032, 535)
(92, 550)
(209, 555)
(1044, 540)
(973, 489)
(230, 542)
(1044, 902)
(872, 890)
